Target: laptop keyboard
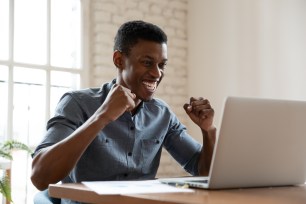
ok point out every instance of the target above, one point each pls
(198, 181)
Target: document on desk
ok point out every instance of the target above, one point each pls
(132, 187)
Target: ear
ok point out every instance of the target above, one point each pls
(118, 59)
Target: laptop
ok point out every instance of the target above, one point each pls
(260, 143)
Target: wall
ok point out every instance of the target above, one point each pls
(246, 48)
(234, 47)
(105, 18)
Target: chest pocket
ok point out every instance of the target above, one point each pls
(102, 161)
(150, 155)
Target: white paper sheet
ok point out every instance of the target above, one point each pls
(132, 187)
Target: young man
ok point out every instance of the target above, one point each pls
(116, 132)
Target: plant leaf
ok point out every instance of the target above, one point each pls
(6, 152)
(5, 188)
(6, 155)
(10, 145)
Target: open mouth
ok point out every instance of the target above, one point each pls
(150, 86)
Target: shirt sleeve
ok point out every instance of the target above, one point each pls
(68, 117)
(183, 148)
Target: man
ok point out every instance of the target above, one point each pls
(117, 132)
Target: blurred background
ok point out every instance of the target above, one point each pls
(216, 49)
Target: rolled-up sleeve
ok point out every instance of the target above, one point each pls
(68, 117)
(184, 149)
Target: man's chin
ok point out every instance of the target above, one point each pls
(148, 98)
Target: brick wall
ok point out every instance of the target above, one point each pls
(171, 15)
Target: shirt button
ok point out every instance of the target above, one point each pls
(130, 154)
(157, 141)
(132, 128)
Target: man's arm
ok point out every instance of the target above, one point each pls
(209, 138)
(202, 114)
(54, 163)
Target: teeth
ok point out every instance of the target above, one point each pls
(150, 85)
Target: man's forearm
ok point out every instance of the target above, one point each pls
(54, 163)
(209, 138)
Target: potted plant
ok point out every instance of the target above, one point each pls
(6, 149)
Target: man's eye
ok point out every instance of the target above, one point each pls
(162, 66)
(147, 63)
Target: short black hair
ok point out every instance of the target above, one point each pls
(130, 32)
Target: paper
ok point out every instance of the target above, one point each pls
(132, 187)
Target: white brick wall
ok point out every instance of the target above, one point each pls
(105, 18)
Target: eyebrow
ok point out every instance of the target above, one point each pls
(152, 58)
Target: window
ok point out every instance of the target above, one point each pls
(40, 59)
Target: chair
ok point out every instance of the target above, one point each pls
(42, 197)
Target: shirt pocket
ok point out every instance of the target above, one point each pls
(150, 155)
(102, 161)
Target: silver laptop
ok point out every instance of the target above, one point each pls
(260, 143)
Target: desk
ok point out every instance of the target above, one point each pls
(276, 195)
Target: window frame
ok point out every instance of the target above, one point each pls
(83, 71)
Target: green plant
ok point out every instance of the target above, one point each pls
(6, 149)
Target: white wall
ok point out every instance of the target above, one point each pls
(246, 48)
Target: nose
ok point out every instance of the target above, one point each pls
(156, 72)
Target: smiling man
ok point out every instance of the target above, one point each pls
(117, 132)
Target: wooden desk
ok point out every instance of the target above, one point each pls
(276, 195)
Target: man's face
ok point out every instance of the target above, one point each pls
(143, 68)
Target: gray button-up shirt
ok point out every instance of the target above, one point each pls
(128, 148)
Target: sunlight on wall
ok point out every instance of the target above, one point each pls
(247, 48)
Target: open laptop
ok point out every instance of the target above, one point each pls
(260, 143)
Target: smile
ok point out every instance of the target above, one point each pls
(151, 86)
